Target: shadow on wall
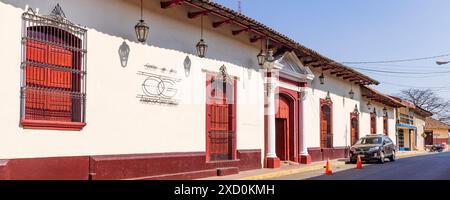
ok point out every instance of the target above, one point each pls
(187, 66)
(118, 22)
(124, 53)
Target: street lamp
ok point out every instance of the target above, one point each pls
(261, 56)
(201, 46)
(142, 28)
(369, 106)
(322, 78)
(442, 62)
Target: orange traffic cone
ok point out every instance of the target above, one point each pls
(358, 163)
(328, 170)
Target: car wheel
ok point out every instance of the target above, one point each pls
(392, 158)
(381, 157)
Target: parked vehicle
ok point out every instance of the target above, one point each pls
(373, 147)
(437, 148)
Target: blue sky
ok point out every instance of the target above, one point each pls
(356, 30)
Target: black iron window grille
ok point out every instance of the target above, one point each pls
(53, 68)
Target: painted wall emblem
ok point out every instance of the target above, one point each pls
(159, 86)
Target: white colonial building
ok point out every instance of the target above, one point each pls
(83, 99)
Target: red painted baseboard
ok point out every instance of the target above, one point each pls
(305, 159)
(273, 163)
(60, 168)
(320, 154)
(164, 166)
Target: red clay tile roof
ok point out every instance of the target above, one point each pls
(416, 109)
(320, 61)
(431, 123)
(379, 97)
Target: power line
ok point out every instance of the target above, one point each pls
(399, 72)
(412, 76)
(423, 87)
(397, 61)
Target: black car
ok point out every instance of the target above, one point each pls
(373, 147)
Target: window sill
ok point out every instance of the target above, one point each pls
(52, 125)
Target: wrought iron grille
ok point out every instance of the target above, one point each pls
(221, 111)
(53, 68)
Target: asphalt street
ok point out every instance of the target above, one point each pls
(425, 167)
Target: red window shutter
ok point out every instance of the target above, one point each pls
(43, 104)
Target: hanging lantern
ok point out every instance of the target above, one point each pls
(202, 46)
(369, 106)
(142, 31)
(322, 78)
(351, 94)
(141, 28)
(385, 112)
(261, 58)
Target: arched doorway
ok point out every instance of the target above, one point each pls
(285, 128)
(354, 128)
(373, 123)
(326, 124)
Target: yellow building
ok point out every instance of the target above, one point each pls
(436, 132)
(411, 126)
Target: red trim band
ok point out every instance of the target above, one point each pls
(52, 125)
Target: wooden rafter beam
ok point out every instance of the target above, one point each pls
(170, 4)
(193, 15)
(326, 68)
(338, 71)
(220, 23)
(255, 39)
(237, 32)
(274, 45)
(343, 74)
(314, 63)
(347, 77)
(306, 59)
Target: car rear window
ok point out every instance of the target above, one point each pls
(370, 140)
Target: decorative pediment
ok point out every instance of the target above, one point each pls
(223, 75)
(291, 67)
(56, 18)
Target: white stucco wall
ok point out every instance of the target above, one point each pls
(117, 123)
(419, 122)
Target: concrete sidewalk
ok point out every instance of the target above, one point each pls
(288, 169)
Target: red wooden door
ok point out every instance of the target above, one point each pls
(284, 130)
(281, 140)
(429, 138)
(373, 124)
(354, 130)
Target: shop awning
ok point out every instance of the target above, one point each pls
(407, 126)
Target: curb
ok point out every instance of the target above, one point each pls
(288, 172)
(313, 168)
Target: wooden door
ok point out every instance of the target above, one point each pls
(281, 139)
(429, 138)
(354, 130)
(284, 129)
